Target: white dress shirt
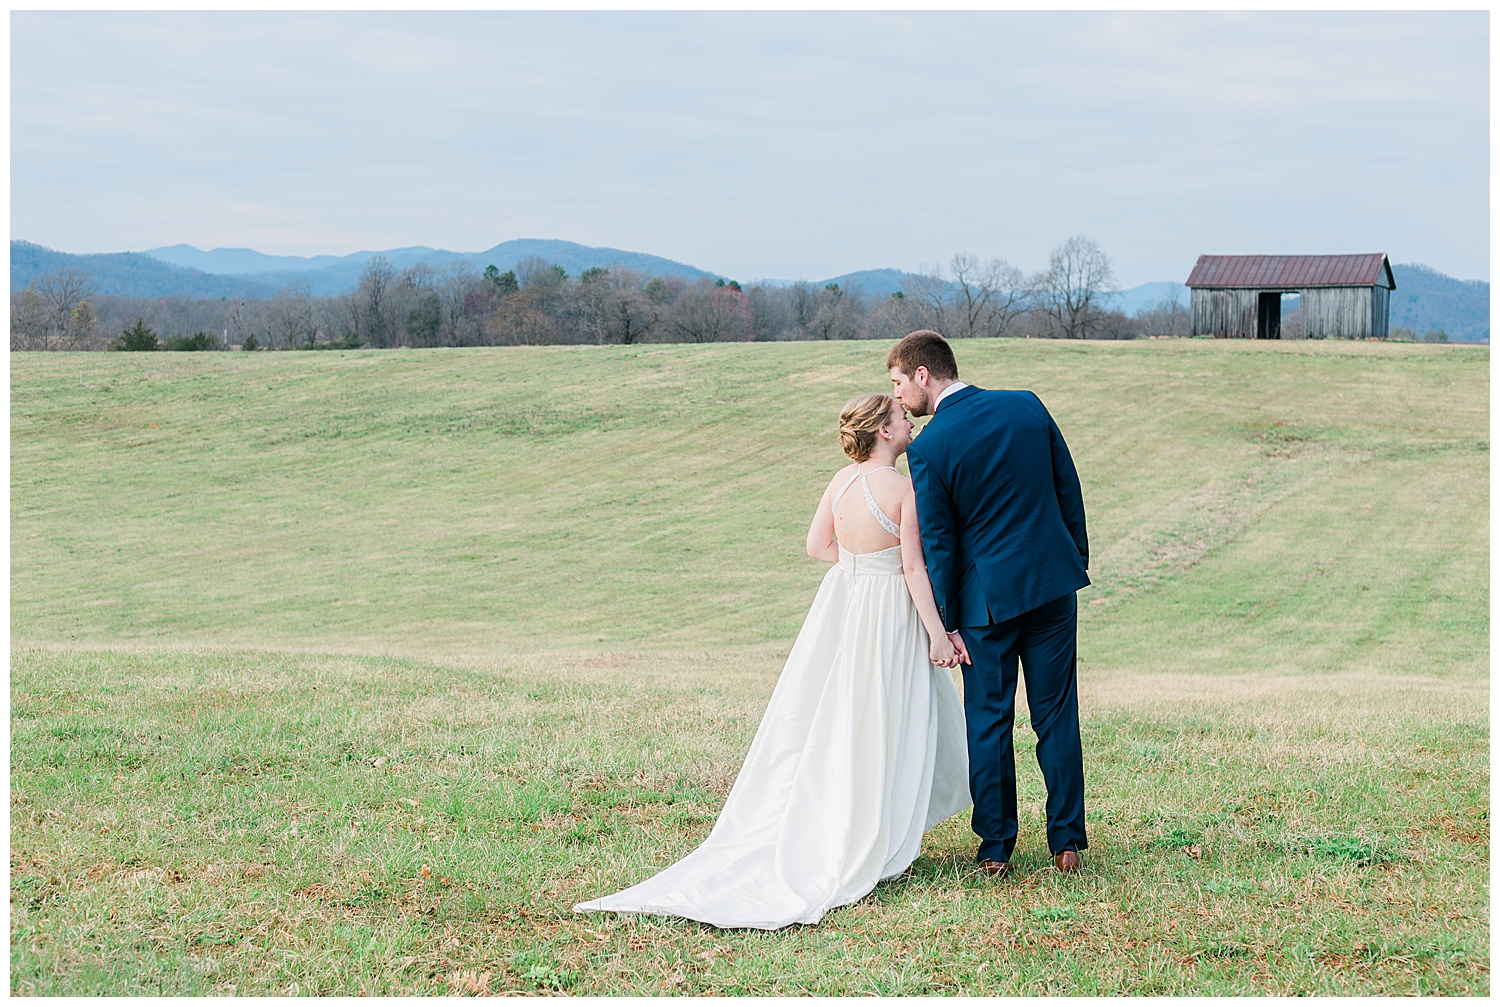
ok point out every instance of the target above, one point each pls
(947, 392)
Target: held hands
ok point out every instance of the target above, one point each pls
(941, 652)
(949, 651)
(961, 651)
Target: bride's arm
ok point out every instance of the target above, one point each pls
(820, 541)
(914, 564)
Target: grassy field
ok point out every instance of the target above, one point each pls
(352, 672)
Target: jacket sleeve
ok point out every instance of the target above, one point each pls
(1069, 492)
(939, 536)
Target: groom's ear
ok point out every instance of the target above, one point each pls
(922, 375)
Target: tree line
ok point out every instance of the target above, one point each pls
(538, 303)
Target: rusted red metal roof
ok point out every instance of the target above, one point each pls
(1269, 271)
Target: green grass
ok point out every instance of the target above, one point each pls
(352, 672)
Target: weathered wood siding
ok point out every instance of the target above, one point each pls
(1340, 312)
(1224, 313)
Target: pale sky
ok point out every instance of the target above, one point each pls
(760, 144)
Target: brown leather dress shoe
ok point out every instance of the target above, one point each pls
(995, 868)
(1067, 862)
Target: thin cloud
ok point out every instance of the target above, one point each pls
(760, 143)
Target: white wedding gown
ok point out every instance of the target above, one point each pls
(861, 750)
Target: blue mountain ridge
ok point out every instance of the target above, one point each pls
(129, 274)
(1424, 299)
(327, 275)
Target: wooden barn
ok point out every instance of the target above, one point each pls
(1341, 295)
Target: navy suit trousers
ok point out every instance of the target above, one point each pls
(1044, 641)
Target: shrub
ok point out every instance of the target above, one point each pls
(348, 342)
(137, 338)
(197, 341)
(251, 343)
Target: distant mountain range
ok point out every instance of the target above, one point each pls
(243, 272)
(129, 274)
(1148, 295)
(1424, 299)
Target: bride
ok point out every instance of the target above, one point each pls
(862, 747)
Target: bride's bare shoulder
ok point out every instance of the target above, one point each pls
(842, 476)
(891, 477)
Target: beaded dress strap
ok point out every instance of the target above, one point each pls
(840, 494)
(875, 511)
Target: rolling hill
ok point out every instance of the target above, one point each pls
(327, 275)
(1426, 299)
(129, 274)
(352, 671)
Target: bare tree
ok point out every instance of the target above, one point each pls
(178, 316)
(838, 313)
(83, 325)
(1113, 325)
(418, 306)
(542, 310)
(803, 299)
(28, 320)
(927, 296)
(594, 292)
(1075, 285)
(1167, 317)
(52, 317)
(630, 316)
(532, 315)
(374, 318)
(420, 277)
(972, 298)
(63, 290)
(535, 271)
(891, 319)
(328, 318)
(708, 312)
(767, 311)
(788, 311)
(233, 327)
(466, 298)
(988, 296)
(292, 319)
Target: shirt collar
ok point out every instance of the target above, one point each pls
(947, 392)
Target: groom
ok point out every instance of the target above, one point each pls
(1003, 529)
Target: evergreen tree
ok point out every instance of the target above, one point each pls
(504, 283)
(137, 338)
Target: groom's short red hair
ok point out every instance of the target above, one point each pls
(923, 348)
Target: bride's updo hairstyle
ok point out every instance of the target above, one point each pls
(860, 419)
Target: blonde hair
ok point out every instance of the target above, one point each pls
(860, 419)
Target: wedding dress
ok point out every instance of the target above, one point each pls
(861, 750)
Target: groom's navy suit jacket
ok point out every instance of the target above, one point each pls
(1000, 507)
